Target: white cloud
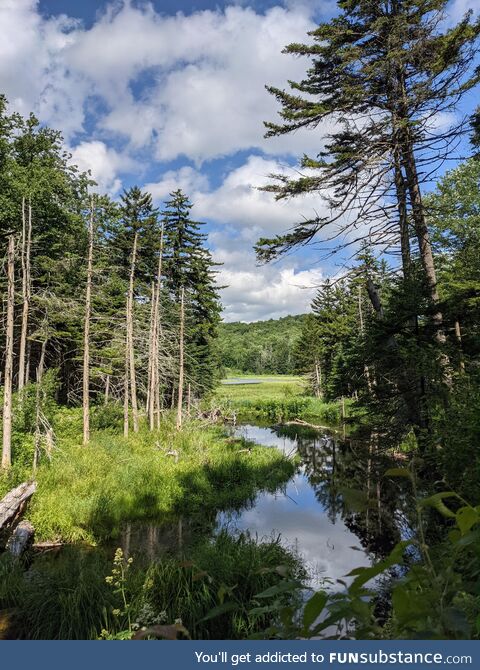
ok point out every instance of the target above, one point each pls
(105, 164)
(185, 85)
(252, 293)
(187, 178)
(267, 292)
(33, 74)
(238, 202)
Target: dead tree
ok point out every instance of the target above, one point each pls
(86, 331)
(181, 359)
(26, 292)
(7, 382)
(130, 350)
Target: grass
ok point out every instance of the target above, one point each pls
(88, 493)
(68, 597)
(279, 398)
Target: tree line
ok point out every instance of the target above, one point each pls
(103, 301)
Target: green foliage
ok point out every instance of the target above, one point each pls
(434, 591)
(113, 480)
(278, 398)
(80, 595)
(260, 347)
(214, 593)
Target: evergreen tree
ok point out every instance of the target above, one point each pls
(189, 265)
(382, 72)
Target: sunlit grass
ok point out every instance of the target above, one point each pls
(87, 493)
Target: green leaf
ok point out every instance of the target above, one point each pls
(467, 517)
(314, 608)
(436, 501)
(221, 609)
(365, 574)
(278, 589)
(469, 538)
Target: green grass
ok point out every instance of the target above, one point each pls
(87, 493)
(279, 398)
(67, 596)
(272, 387)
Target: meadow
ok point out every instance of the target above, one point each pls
(278, 398)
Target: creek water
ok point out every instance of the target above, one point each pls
(337, 513)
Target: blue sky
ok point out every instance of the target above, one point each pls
(171, 94)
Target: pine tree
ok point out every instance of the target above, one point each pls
(139, 217)
(382, 72)
(189, 265)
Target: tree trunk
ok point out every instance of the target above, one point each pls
(7, 382)
(401, 194)
(86, 331)
(107, 389)
(25, 257)
(126, 405)
(150, 367)
(130, 353)
(155, 380)
(458, 337)
(38, 405)
(181, 363)
(318, 379)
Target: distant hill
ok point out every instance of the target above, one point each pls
(260, 347)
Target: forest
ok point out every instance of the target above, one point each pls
(137, 427)
(260, 347)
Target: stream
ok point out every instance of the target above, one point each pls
(337, 513)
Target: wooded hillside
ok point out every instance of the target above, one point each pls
(260, 347)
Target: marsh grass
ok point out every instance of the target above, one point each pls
(67, 595)
(87, 493)
(229, 569)
(279, 398)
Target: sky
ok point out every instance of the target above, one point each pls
(171, 95)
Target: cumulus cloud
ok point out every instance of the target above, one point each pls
(104, 163)
(238, 202)
(252, 293)
(188, 85)
(267, 292)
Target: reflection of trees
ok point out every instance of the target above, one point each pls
(349, 482)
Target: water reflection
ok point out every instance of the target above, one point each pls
(337, 512)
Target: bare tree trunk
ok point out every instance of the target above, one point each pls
(86, 332)
(107, 390)
(154, 390)
(7, 382)
(38, 405)
(27, 361)
(125, 399)
(458, 337)
(318, 379)
(402, 214)
(150, 367)
(26, 290)
(130, 353)
(181, 357)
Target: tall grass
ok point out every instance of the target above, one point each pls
(87, 493)
(66, 596)
(280, 399)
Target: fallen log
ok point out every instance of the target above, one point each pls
(12, 505)
(21, 538)
(301, 422)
